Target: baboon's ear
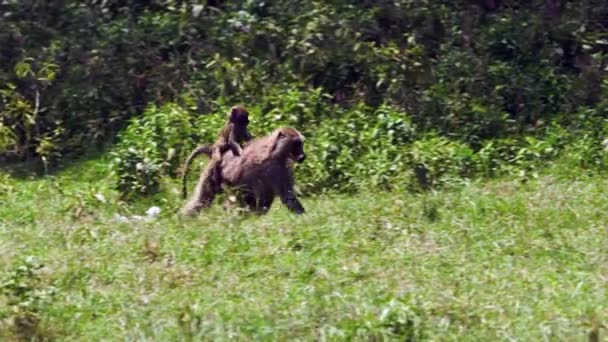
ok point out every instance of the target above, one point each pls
(233, 114)
(275, 140)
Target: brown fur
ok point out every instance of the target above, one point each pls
(260, 173)
(232, 134)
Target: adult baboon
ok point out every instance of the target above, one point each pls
(232, 134)
(261, 172)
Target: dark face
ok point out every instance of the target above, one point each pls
(239, 116)
(297, 151)
(243, 119)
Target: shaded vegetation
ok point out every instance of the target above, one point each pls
(72, 74)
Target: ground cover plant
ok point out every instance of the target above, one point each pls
(500, 259)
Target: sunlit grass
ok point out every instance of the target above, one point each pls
(493, 260)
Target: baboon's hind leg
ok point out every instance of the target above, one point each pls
(204, 193)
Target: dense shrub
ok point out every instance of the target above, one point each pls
(436, 160)
(137, 174)
(383, 138)
(347, 148)
(28, 296)
(154, 144)
(383, 90)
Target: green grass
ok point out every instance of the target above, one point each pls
(493, 260)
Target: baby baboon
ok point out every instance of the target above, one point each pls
(232, 134)
(262, 172)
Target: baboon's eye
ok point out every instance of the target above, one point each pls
(297, 145)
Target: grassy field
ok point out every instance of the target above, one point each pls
(493, 260)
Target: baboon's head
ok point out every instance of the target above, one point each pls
(289, 143)
(239, 116)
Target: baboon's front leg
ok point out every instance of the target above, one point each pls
(247, 198)
(289, 198)
(236, 149)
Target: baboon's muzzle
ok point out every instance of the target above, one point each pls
(299, 158)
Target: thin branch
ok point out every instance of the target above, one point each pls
(37, 104)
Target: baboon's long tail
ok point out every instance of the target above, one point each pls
(201, 149)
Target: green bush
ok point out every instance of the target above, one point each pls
(154, 145)
(586, 152)
(136, 173)
(28, 296)
(347, 149)
(474, 71)
(362, 147)
(294, 106)
(332, 154)
(494, 155)
(385, 136)
(523, 157)
(436, 161)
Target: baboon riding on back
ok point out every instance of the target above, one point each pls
(230, 137)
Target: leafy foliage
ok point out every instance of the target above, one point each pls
(153, 145)
(492, 75)
(435, 158)
(27, 295)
